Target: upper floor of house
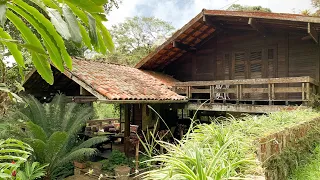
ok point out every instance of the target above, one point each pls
(248, 58)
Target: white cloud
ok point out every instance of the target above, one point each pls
(179, 12)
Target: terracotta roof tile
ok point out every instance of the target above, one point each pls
(118, 82)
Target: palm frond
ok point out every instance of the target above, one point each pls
(91, 142)
(79, 154)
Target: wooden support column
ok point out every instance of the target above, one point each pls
(313, 33)
(127, 115)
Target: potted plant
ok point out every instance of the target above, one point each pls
(79, 164)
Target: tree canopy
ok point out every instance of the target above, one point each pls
(136, 37)
(238, 7)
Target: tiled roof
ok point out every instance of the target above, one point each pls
(118, 82)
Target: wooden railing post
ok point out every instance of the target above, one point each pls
(240, 92)
(189, 94)
(212, 94)
(269, 93)
(302, 91)
(308, 91)
(237, 93)
(273, 93)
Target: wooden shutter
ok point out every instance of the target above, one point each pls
(272, 62)
(227, 64)
(239, 65)
(255, 61)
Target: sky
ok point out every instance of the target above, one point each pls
(179, 12)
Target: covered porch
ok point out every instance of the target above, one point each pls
(261, 95)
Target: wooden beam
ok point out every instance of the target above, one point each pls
(211, 23)
(182, 46)
(284, 80)
(240, 108)
(253, 23)
(127, 116)
(81, 99)
(142, 101)
(313, 33)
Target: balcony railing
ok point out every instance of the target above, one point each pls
(268, 90)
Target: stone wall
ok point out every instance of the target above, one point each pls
(276, 150)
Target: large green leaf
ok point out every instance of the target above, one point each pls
(49, 41)
(3, 9)
(60, 25)
(56, 141)
(87, 5)
(85, 37)
(51, 30)
(93, 31)
(81, 15)
(100, 2)
(72, 24)
(106, 37)
(38, 147)
(52, 4)
(13, 48)
(36, 131)
(102, 47)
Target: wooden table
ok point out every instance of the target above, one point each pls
(111, 138)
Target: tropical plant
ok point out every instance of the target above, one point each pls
(224, 149)
(53, 21)
(32, 171)
(13, 154)
(52, 132)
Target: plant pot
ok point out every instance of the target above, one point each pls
(122, 172)
(80, 165)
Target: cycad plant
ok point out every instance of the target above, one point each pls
(52, 132)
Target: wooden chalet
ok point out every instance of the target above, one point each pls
(221, 61)
(233, 61)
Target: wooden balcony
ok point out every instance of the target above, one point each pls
(248, 95)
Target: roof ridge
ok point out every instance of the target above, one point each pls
(100, 60)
